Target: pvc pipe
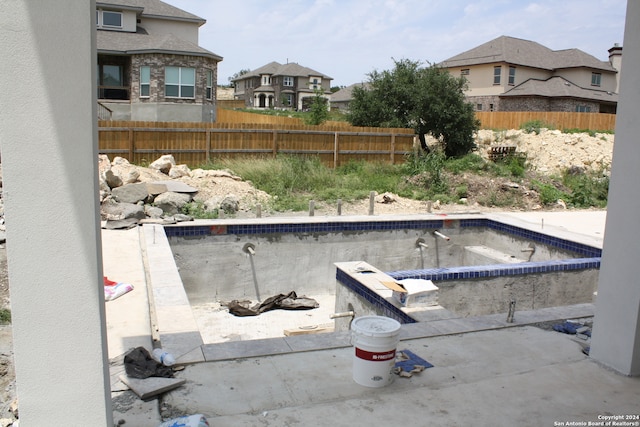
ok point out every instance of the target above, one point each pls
(442, 236)
(343, 314)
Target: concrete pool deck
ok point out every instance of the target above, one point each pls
(486, 372)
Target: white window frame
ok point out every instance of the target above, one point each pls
(180, 83)
(464, 72)
(512, 75)
(287, 81)
(209, 87)
(497, 75)
(596, 79)
(144, 83)
(100, 19)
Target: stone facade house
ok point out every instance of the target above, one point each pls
(150, 66)
(287, 86)
(511, 74)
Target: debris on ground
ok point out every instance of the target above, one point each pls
(290, 301)
(408, 363)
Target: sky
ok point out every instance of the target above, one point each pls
(348, 39)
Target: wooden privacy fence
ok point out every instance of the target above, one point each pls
(557, 119)
(197, 143)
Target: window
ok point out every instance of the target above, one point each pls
(105, 18)
(179, 82)
(464, 72)
(583, 109)
(595, 79)
(490, 107)
(266, 80)
(497, 71)
(478, 107)
(145, 81)
(209, 89)
(287, 81)
(112, 75)
(512, 76)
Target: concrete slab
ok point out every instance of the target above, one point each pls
(522, 375)
(152, 386)
(513, 375)
(128, 320)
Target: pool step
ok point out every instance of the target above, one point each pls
(483, 255)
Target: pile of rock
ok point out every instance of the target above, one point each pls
(130, 194)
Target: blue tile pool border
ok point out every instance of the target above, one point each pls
(385, 307)
(579, 248)
(498, 270)
(590, 256)
(341, 226)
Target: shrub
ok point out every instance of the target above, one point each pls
(534, 126)
(5, 316)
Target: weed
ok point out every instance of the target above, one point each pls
(548, 193)
(198, 211)
(5, 316)
(534, 126)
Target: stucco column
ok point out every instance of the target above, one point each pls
(48, 138)
(616, 332)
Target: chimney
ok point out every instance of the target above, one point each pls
(615, 59)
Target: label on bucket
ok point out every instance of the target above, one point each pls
(375, 356)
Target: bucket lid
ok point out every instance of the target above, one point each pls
(375, 326)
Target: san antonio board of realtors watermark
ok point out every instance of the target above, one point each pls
(632, 420)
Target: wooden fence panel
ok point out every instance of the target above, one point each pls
(558, 119)
(197, 143)
(335, 143)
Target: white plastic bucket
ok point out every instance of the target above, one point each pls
(374, 339)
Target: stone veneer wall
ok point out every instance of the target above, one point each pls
(545, 104)
(485, 101)
(157, 62)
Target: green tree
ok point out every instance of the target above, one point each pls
(318, 111)
(427, 99)
(236, 75)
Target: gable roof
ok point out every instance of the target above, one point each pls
(153, 9)
(559, 87)
(345, 94)
(119, 42)
(525, 53)
(276, 69)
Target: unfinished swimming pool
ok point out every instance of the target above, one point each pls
(479, 264)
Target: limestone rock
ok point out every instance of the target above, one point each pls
(130, 193)
(118, 211)
(153, 212)
(112, 179)
(179, 171)
(163, 164)
(171, 202)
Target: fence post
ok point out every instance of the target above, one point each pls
(131, 146)
(393, 147)
(208, 147)
(335, 150)
(275, 143)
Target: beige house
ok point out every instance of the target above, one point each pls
(275, 85)
(150, 66)
(511, 74)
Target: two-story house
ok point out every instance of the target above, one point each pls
(278, 85)
(511, 74)
(150, 66)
